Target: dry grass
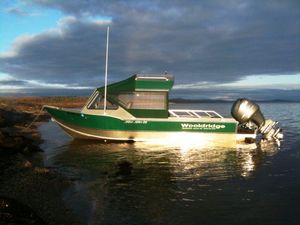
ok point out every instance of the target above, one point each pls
(34, 104)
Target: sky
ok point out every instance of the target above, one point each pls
(215, 49)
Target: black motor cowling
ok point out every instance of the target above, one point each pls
(247, 112)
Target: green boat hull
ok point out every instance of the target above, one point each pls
(106, 127)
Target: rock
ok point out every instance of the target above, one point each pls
(26, 164)
(13, 141)
(19, 141)
(41, 170)
(124, 168)
(23, 163)
(10, 117)
(10, 131)
(14, 137)
(2, 137)
(14, 212)
(2, 121)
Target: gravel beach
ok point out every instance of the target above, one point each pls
(29, 192)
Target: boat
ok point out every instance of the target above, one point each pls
(137, 109)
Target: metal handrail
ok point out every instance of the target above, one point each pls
(194, 113)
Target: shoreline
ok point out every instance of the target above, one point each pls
(30, 193)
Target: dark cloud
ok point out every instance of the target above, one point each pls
(213, 41)
(69, 54)
(13, 83)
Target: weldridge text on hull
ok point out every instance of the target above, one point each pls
(137, 109)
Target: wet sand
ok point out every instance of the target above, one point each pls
(29, 192)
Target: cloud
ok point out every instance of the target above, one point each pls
(13, 83)
(20, 12)
(68, 54)
(197, 41)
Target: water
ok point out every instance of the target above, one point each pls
(185, 184)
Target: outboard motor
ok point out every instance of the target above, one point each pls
(247, 112)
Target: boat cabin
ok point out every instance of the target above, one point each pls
(141, 96)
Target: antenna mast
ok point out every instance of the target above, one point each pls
(106, 63)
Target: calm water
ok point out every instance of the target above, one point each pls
(183, 184)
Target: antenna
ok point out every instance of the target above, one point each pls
(106, 63)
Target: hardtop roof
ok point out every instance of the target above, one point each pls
(142, 82)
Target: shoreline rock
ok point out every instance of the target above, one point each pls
(14, 212)
(29, 192)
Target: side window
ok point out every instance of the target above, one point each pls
(144, 100)
(98, 103)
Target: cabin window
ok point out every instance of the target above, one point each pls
(98, 103)
(144, 100)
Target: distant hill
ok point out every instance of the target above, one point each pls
(183, 100)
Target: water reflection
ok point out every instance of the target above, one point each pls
(252, 156)
(155, 175)
(209, 161)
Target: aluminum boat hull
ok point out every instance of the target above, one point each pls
(106, 127)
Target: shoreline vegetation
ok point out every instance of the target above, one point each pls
(30, 193)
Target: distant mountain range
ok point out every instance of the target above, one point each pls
(173, 99)
(183, 100)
